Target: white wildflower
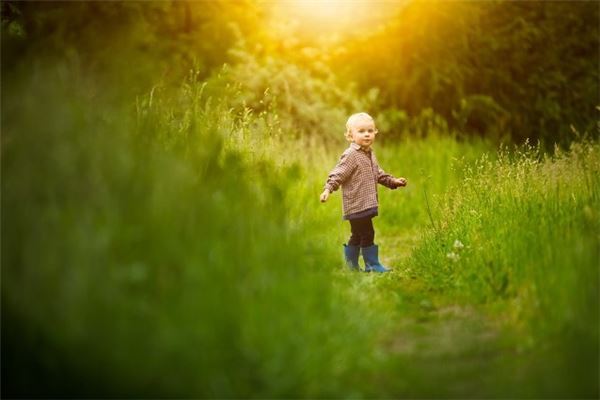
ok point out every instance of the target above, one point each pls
(453, 256)
(458, 244)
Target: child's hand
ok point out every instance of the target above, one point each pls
(324, 196)
(400, 182)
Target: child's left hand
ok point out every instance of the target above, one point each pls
(400, 182)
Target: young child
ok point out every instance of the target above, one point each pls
(358, 173)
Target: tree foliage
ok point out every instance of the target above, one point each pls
(495, 68)
(527, 68)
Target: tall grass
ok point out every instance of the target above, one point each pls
(521, 235)
(173, 245)
(145, 254)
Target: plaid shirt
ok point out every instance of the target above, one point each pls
(358, 173)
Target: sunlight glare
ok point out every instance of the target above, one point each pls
(326, 9)
(324, 18)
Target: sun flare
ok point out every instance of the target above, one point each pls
(334, 16)
(327, 9)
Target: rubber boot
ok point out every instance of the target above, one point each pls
(351, 256)
(371, 257)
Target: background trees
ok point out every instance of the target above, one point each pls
(511, 70)
(526, 68)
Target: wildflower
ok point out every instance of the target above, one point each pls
(458, 244)
(453, 256)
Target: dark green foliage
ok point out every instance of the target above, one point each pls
(493, 68)
(490, 67)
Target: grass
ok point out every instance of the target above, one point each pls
(531, 252)
(175, 246)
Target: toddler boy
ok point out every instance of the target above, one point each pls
(358, 173)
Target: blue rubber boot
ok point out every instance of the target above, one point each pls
(371, 257)
(351, 256)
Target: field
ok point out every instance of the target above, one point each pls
(162, 234)
(152, 253)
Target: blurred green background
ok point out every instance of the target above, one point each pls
(161, 229)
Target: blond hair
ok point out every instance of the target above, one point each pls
(352, 120)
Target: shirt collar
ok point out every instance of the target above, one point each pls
(358, 147)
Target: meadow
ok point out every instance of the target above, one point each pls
(167, 240)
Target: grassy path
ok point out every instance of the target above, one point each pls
(441, 346)
(511, 309)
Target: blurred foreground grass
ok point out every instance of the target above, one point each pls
(174, 246)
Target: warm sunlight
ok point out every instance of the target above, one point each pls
(338, 17)
(329, 9)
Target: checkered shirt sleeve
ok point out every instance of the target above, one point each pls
(384, 178)
(342, 171)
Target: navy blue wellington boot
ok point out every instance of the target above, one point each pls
(351, 256)
(371, 257)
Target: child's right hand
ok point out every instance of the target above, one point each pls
(324, 196)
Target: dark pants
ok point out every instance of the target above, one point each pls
(363, 233)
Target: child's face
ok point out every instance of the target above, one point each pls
(363, 132)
